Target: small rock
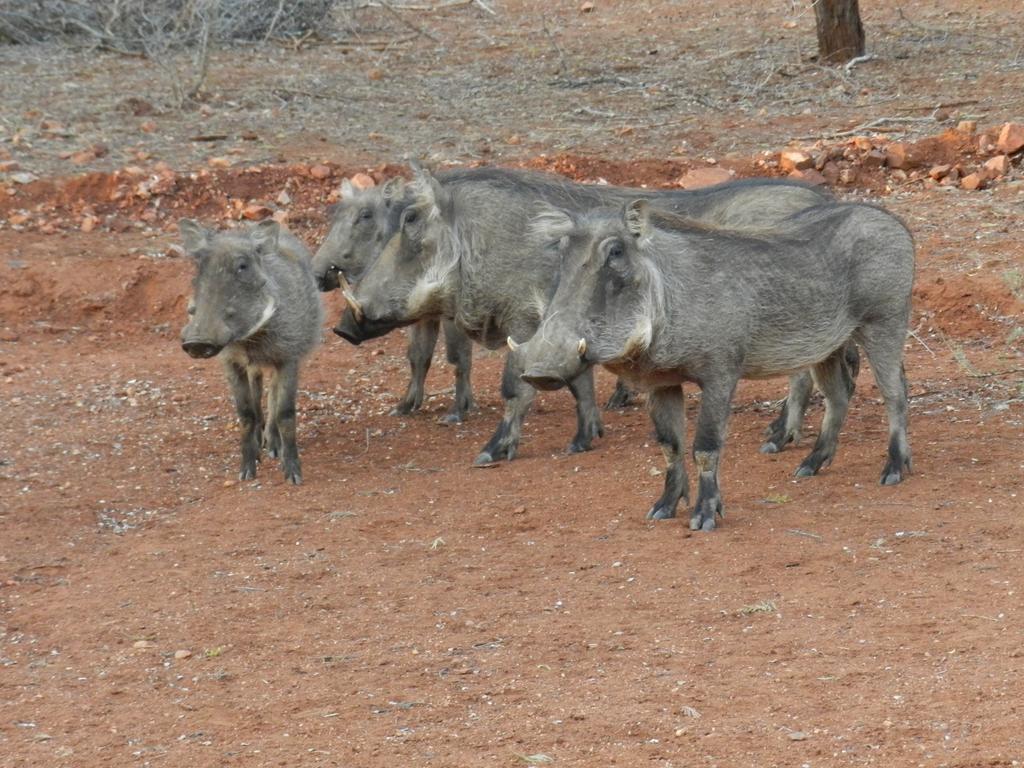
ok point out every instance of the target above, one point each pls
(1011, 138)
(794, 160)
(88, 224)
(703, 177)
(182, 654)
(873, 159)
(17, 219)
(809, 176)
(362, 181)
(586, 7)
(375, 74)
(939, 171)
(973, 181)
(6, 334)
(969, 127)
(985, 144)
(848, 175)
(283, 198)
(997, 166)
(147, 127)
(256, 212)
(863, 143)
(832, 172)
(143, 644)
(320, 171)
(219, 162)
(902, 156)
(514, 140)
(798, 736)
(8, 166)
(23, 177)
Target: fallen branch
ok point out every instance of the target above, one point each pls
(415, 27)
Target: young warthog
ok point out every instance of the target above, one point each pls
(255, 304)
(662, 301)
(459, 251)
(359, 224)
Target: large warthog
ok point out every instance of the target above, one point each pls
(360, 222)
(457, 248)
(662, 301)
(254, 305)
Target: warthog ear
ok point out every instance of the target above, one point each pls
(265, 235)
(429, 191)
(637, 217)
(393, 189)
(347, 189)
(193, 235)
(551, 224)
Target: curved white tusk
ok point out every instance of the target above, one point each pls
(512, 344)
(581, 348)
(346, 291)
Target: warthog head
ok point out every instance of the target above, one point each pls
(359, 227)
(412, 277)
(609, 301)
(230, 297)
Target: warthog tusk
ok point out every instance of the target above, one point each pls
(512, 344)
(346, 291)
(581, 348)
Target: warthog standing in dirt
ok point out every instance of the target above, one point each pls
(663, 301)
(255, 305)
(460, 250)
(359, 224)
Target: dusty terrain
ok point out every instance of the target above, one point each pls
(402, 608)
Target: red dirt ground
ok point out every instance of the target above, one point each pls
(401, 608)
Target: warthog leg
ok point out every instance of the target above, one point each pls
(518, 399)
(283, 390)
(459, 349)
(883, 343)
(422, 340)
(715, 399)
(250, 417)
(588, 417)
(830, 377)
(668, 412)
(622, 397)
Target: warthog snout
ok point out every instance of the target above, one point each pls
(328, 280)
(349, 328)
(201, 349)
(541, 379)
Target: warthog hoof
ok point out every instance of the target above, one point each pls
(292, 473)
(805, 471)
(659, 512)
(621, 398)
(404, 408)
(769, 447)
(247, 473)
(452, 417)
(704, 514)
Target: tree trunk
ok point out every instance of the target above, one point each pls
(840, 33)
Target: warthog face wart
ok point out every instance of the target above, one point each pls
(411, 277)
(230, 300)
(359, 227)
(607, 304)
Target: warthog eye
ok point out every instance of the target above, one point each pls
(242, 266)
(365, 215)
(615, 251)
(411, 216)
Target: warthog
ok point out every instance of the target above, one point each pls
(662, 301)
(255, 305)
(359, 224)
(459, 251)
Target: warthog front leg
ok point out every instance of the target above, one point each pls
(715, 400)
(518, 399)
(883, 343)
(272, 435)
(668, 412)
(588, 417)
(831, 377)
(422, 340)
(250, 417)
(283, 390)
(622, 396)
(459, 349)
